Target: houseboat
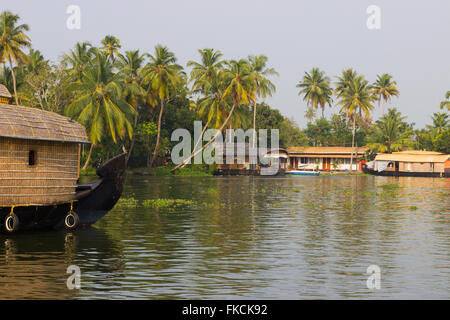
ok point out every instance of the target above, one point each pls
(410, 163)
(40, 168)
(325, 158)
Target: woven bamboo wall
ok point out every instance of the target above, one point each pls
(51, 180)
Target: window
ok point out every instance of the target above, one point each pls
(32, 158)
(303, 160)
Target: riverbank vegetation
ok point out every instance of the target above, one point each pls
(131, 101)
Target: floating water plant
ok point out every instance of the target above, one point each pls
(167, 203)
(127, 203)
(349, 205)
(389, 186)
(276, 204)
(213, 192)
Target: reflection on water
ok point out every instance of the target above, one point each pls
(248, 237)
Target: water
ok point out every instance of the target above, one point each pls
(248, 238)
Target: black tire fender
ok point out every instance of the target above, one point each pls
(72, 221)
(12, 222)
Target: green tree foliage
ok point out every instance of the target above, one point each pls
(101, 106)
(316, 90)
(385, 88)
(391, 133)
(356, 98)
(162, 76)
(290, 134)
(12, 42)
(446, 102)
(434, 137)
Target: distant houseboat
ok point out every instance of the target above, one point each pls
(410, 163)
(323, 158)
(236, 160)
(39, 171)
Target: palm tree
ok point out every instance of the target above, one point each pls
(316, 90)
(35, 61)
(162, 75)
(129, 66)
(12, 40)
(204, 74)
(384, 88)
(78, 59)
(447, 102)
(343, 82)
(440, 121)
(264, 87)
(356, 98)
(101, 103)
(239, 84)
(111, 46)
(239, 87)
(391, 133)
(205, 78)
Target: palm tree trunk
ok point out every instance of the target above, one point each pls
(384, 102)
(210, 141)
(159, 134)
(199, 139)
(353, 143)
(89, 157)
(14, 80)
(254, 125)
(133, 138)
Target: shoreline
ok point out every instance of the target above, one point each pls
(198, 172)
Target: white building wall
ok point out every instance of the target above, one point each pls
(312, 165)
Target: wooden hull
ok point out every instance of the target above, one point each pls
(93, 201)
(405, 174)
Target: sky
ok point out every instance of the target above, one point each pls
(412, 44)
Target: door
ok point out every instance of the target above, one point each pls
(326, 163)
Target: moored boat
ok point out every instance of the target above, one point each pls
(39, 172)
(411, 163)
(302, 172)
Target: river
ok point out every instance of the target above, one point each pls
(247, 238)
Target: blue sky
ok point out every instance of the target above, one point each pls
(413, 42)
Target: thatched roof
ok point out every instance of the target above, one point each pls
(4, 92)
(35, 124)
(413, 156)
(326, 150)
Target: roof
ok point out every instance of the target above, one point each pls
(413, 156)
(326, 150)
(4, 92)
(35, 124)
